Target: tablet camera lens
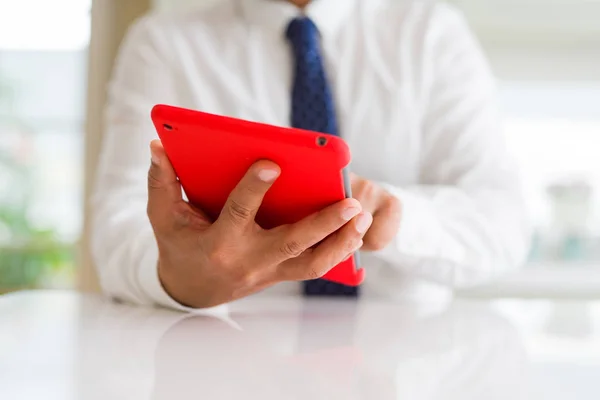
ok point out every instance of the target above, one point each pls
(168, 127)
(322, 141)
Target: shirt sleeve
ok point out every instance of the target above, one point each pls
(123, 242)
(465, 222)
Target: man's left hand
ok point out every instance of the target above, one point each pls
(386, 210)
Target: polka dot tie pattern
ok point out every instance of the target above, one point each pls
(313, 109)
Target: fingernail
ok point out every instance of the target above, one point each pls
(364, 222)
(267, 175)
(350, 213)
(154, 158)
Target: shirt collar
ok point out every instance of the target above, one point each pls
(328, 15)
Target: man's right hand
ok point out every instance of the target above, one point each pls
(204, 263)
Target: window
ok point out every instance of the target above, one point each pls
(546, 54)
(43, 57)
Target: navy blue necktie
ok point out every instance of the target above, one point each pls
(313, 109)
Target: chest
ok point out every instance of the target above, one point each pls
(373, 98)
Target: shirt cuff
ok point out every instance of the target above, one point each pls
(421, 234)
(150, 283)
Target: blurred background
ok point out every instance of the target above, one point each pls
(55, 57)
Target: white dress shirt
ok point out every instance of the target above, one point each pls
(415, 101)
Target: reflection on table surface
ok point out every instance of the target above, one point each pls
(67, 346)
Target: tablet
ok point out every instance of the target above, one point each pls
(211, 154)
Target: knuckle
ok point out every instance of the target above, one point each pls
(393, 204)
(219, 255)
(369, 189)
(153, 180)
(252, 190)
(291, 249)
(377, 245)
(375, 242)
(350, 245)
(358, 187)
(313, 274)
(238, 212)
(249, 278)
(315, 270)
(365, 191)
(150, 211)
(181, 216)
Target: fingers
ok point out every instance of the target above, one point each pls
(386, 222)
(366, 192)
(386, 210)
(163, 187)
(292, 240)
(316, 263)
(245, 200)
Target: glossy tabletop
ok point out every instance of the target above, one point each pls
(62, 345)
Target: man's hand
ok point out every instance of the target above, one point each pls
(204, 263)
(385, 208)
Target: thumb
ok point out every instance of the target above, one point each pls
(164, 188)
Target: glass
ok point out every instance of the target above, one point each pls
(546, 54)
(553, 131)
(43, 56)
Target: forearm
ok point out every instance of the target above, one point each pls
(459, 237)
(125, 253)
(465, 222)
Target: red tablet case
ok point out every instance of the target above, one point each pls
(211, 153)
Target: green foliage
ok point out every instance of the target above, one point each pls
(29, 256)
(33, 255)
(30, 266)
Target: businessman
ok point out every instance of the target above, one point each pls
(436, 206)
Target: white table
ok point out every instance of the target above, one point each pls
(62, 345)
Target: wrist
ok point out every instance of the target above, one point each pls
(185, 290)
